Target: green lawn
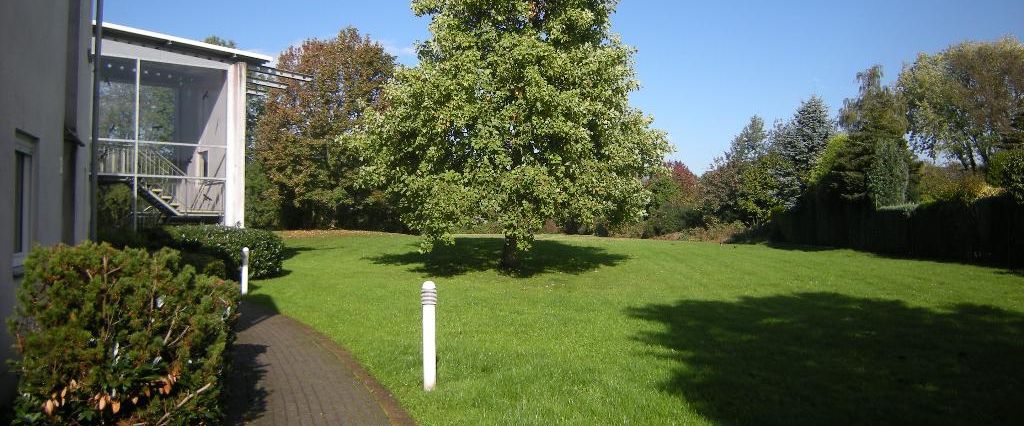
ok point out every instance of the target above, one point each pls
(656, 332)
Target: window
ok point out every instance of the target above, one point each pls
(202, 163)
(24, 197)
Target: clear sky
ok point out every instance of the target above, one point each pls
(705, 66)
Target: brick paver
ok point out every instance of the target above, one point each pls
(288, 374)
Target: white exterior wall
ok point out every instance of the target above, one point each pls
(234, 188)
(34, 83)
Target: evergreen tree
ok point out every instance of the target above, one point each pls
(875, 162)
(889, 174)
(750, 144)
(803, 139)
(517, 112)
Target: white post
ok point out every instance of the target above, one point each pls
(245, 270)
(428, 296)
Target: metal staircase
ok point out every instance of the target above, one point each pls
(177, 203)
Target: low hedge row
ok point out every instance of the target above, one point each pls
(120, 337)
(266, 249)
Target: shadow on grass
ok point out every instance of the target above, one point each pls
(475, 254)
(825, 358)
(288, 253)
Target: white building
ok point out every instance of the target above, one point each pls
(171, 126)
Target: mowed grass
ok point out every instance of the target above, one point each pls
(606, 331)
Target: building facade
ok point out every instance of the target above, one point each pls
(46, 86)
(171, 120)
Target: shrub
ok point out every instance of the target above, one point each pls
(1007, 170)
(266, 250)
(669, 218)
(120, 337)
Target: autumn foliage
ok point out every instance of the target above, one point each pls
(313, 174)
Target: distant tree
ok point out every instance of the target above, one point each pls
(875, 162)
(889, 175)
(297, 136)
(262, 199)
(751, 143)
(719, 191)
(967, 102)
(687, 181)
(721, 186)
(517, 112)
(802, 140)
(762, 189)
(213, 39)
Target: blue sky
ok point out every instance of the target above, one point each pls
(705, 67)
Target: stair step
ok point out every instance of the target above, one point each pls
(166, 197)
(175, 205)
(156, 191)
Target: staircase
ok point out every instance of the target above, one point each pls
(177, 203)
(171, 208)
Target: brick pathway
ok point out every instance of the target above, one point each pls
(288, 374)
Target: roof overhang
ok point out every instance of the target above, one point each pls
(171, 43)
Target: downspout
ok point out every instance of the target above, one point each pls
(94, 183)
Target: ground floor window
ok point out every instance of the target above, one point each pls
(24, 196)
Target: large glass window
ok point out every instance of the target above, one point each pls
(117, 98)
(163, 131)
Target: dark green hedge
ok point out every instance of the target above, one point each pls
(986, 230)
(266, 249)
(120, 337)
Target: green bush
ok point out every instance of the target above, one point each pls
(670, 218)
(1007, 170)
(266, 250)
(120, 337)
(888, 175)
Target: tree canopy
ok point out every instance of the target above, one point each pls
(518, 112)
(297, 135)
(967, 102)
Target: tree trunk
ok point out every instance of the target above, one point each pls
(510, 253)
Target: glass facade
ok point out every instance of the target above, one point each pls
(163, 132)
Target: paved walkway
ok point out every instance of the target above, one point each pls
(288, 374)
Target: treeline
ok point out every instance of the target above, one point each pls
(941, 148)
(950, 129)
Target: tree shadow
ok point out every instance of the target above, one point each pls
(245, 399)
(290, 252)
(474, 254)
(826, 358)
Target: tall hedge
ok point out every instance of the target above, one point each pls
(989, 229)
(120, 337)
(266, 249)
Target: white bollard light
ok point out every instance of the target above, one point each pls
(428, 296)
(245, 270)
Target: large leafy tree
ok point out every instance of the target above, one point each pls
(297, 135)
(967, 102)
(517, 112)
